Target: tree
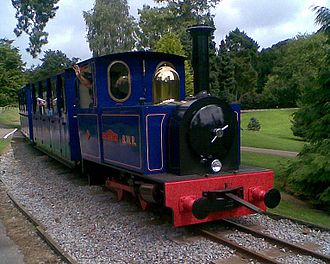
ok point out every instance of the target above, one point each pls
(295, 70)
(170, 43)
(309, 175)
(226, 74)
(110, 27)
(32, 17)
(11, 72)
(322, 17)
(173, 16)
(153, 23)
(265, 65)
(238, 60)
(53, 63)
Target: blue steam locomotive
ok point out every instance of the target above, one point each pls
(125, 119)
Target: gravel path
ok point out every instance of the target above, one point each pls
(5, 131)
(88, 222)
(289, 231)
(91, 226)
(282, 153)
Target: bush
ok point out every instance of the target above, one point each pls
(309, 175)
(258, 101)
(253, 124)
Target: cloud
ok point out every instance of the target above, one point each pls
(262, 13)
(68, 29)
(267, 22)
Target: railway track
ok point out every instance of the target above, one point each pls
(42, 232)
(268, 256)
(280, 248)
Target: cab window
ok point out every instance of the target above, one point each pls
(166, 84)
(84, 74)
(119, 81)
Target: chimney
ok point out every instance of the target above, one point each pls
(200, 56)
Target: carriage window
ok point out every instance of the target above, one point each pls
(119, 81)
(61, 85)
(24, 101)
(34, 99)
(42, 98)
(53, 97)
(86, 92)
(166, 84)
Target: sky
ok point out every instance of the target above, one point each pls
(266, 21)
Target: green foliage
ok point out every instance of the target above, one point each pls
(10, 118)
(53, 63)
(322, 17)
(254, 124)
(297, 65)
(237, 59)
(170, 43)
(309, 175)
(265, 65)
(11, 72)
(173, 16)
(226, 74)
(153, 24)
(110, 27)
(32, 17)
(312, 120)
(254, 100)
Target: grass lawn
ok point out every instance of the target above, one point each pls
(291, 207)
(276, 163)
(10, 118)
(4, 143)
(288, 206)
(275, 132)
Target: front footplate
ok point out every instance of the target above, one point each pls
(252, 187)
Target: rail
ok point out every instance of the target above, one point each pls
(42, 232)
(260, 256)
(294, 247)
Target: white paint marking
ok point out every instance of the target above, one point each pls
(12, 132)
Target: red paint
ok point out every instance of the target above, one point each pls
(144, 204)
(186, 203)
(110, 136)
(256, 194)
(120, 188)
(180, 195)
